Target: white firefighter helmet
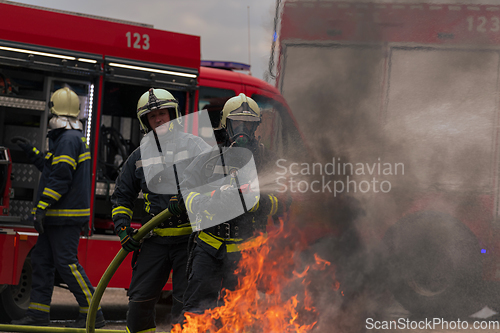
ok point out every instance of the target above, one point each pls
(240, 116)
(155, 99)
(65, 108)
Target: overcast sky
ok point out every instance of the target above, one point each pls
(221, 24)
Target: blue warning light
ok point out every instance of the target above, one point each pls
(483, 250)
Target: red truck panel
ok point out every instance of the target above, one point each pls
(64, 31)
(416, 23)
(96, 253)
(7, 254)
(15, 246)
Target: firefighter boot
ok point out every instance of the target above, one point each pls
(141, 316)
(32, 321)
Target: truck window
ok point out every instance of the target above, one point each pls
(277, 130)
(120, 130)
(213, 99)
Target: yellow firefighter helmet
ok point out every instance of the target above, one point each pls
(65, 102)
(240, 117)
(240, 107)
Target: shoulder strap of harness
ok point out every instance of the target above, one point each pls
(209, 167)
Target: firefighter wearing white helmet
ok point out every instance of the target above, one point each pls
(166, 249)
(61, 211)
(215, 251)
(65, 107)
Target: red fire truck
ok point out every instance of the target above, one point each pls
(109, 64)
(413, 84)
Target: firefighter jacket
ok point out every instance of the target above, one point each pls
(132, 181)
(64, 188)
(213, 167)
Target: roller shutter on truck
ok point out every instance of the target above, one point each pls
(447, 113)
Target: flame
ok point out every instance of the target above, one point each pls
(321, 263)
(271, 295)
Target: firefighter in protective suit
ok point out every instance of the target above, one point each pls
(62, 210)
(216, 248)
(166, 249)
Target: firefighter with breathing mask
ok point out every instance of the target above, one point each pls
(228, 215)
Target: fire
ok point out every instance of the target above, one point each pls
(272, 293)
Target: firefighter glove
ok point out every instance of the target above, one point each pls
(226, 193)
(176, 205)
(22, 142)
(39, 220)
(224, 199)
(129, 244)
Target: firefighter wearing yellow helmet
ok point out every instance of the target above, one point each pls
(240, 117)
(65, 107)
(230, 170)
(166, 249)
(61, 211)
(156, 99)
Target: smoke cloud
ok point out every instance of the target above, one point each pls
(371, 106)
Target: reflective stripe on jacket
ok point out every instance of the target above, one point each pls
(65, 184)
(132, 181)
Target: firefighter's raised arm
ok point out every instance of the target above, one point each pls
(34, 155)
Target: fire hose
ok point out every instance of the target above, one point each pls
(99, 291)
(115, 263)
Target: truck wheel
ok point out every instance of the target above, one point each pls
(434, 265)
(14, 300)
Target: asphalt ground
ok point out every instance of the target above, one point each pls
(64, 309)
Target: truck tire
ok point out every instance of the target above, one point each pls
(434, 265)
(14, 300)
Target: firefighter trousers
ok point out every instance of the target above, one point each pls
(57, 249)
(209, 275)
(150, 274)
